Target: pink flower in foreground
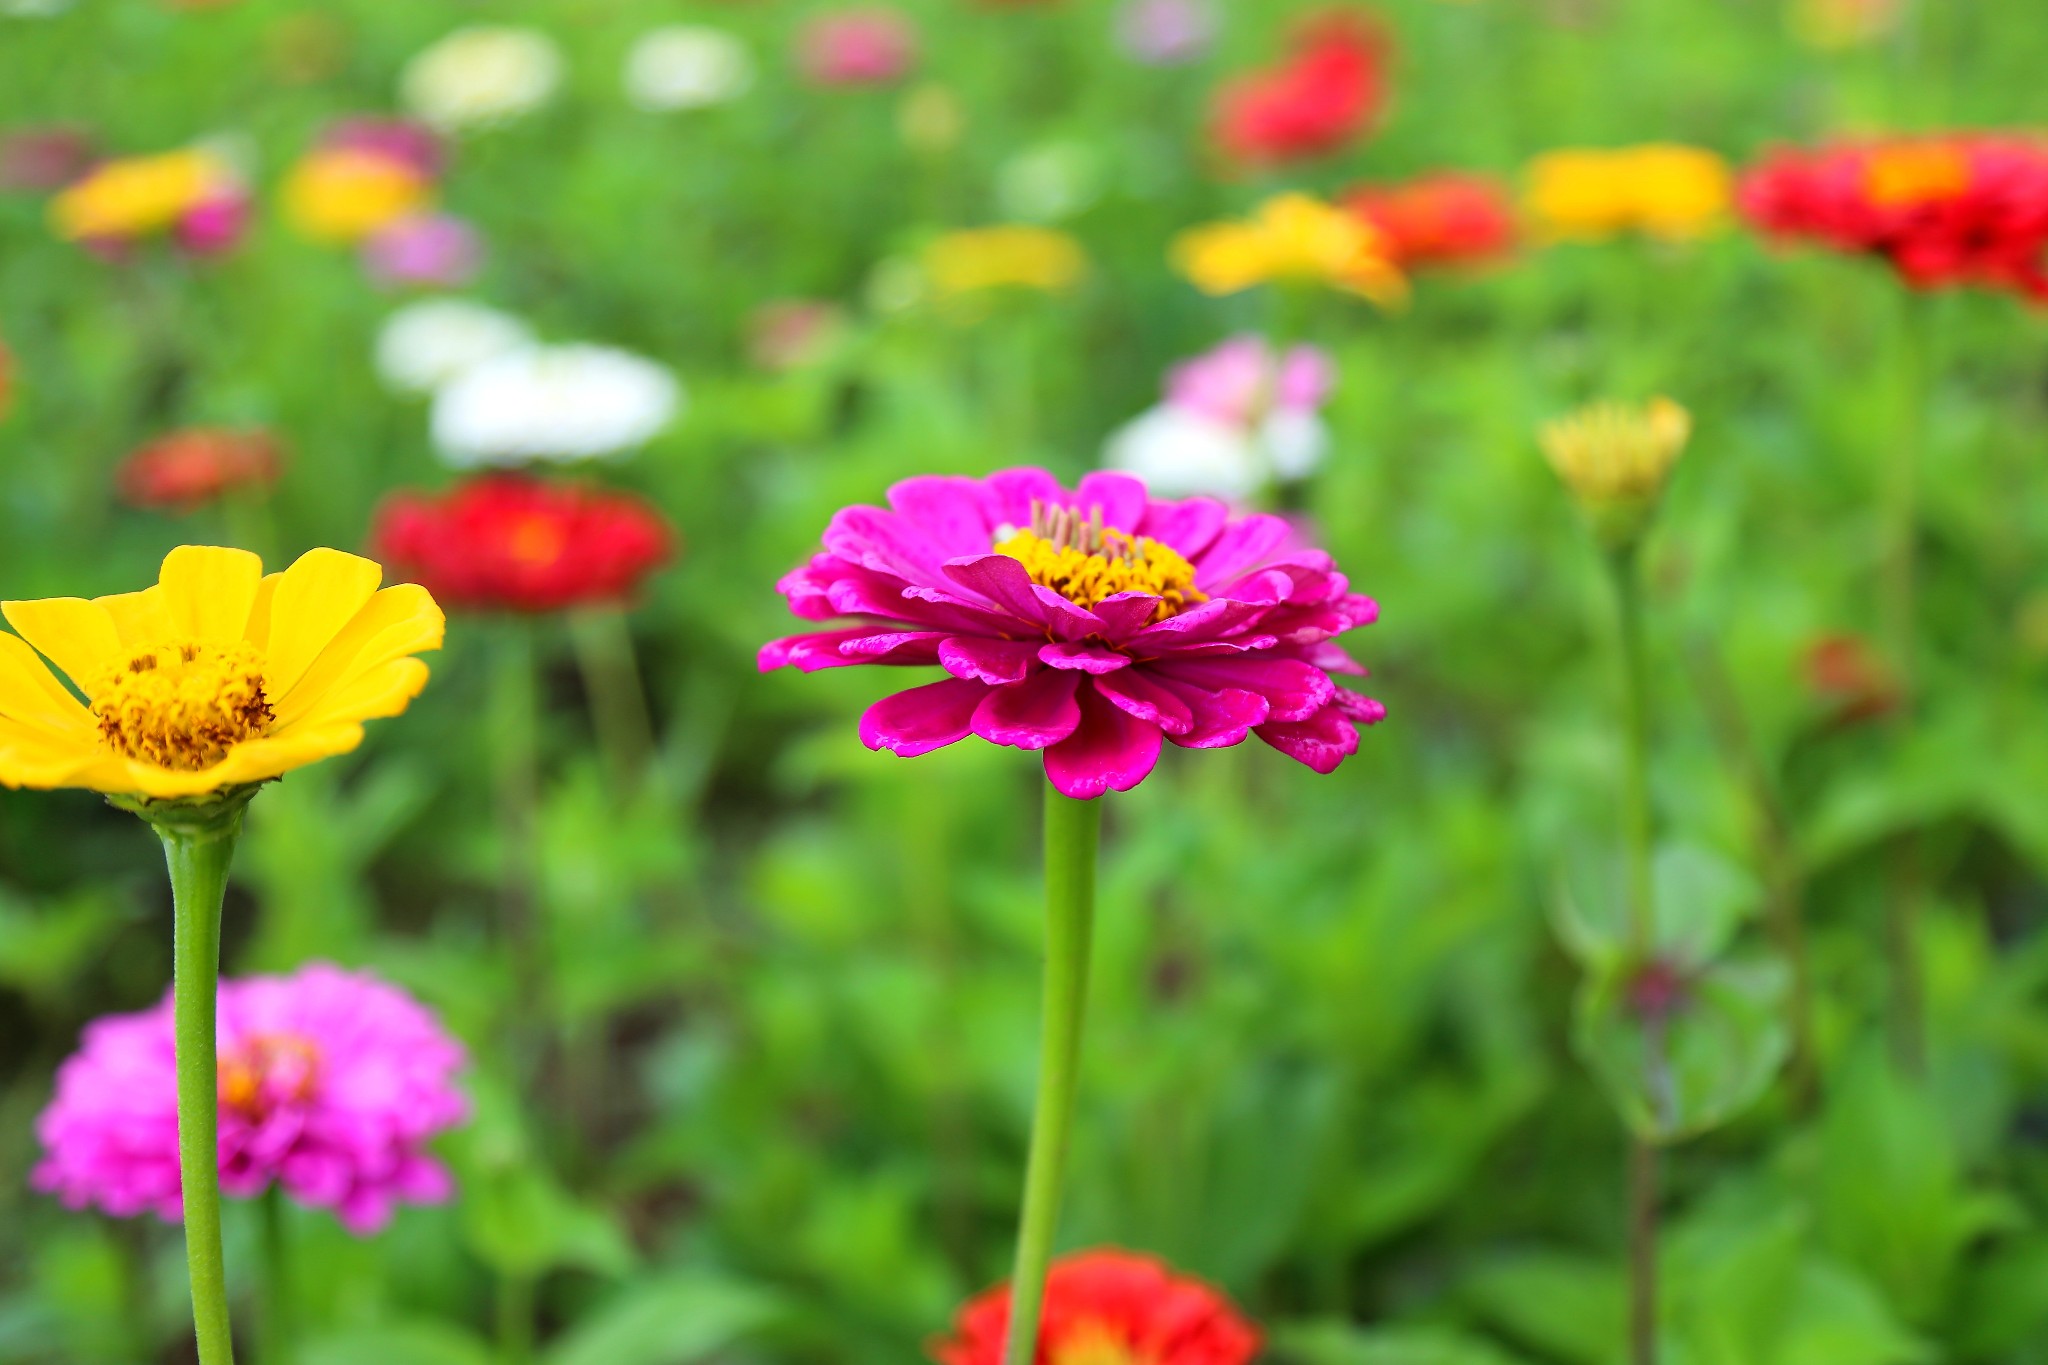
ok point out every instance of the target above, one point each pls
(1092, 624)
(331, 1083)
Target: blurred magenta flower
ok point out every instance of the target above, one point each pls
(1166, 32)
(1092, 624)
(331, 1084)
(43, 158)
(424, 249)
(869, 46)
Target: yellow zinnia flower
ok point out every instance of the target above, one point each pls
(1662, 189)
(138, 194)
(1616, 458)
(975, 259)
(344, 195)
(1292, 238)
(215, 678)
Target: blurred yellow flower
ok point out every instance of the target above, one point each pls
(1661, 189)
(1291, 238)
(975, 259)
(1616, 458)
(344, 194)
(135, 195)
(217, 677)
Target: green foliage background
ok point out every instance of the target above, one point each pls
(753, 1077)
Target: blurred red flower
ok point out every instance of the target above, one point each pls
(512, 542)
(1328, 92)
(1446, 219)
(183, 469)
(1103, 1306)
(1849, 678)
(1945, 210)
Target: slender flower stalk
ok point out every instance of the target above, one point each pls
(1072, 832)
(199, 844)
(610, 666)
(280, 1294)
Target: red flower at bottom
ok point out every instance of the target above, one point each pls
(1110, 1308)
(512, 542)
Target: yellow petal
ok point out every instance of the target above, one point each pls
(314, 599)
(279, 754)
(209, 590)
(257, 632)
(142, 618)
(30, 757)
(396, 622)
(30, 695)
(76, 635)
(384, 690)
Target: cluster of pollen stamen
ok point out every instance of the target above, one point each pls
(267, 1069)
(1085, 561)
(183, 706)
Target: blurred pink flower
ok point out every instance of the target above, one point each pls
(213, 226)
(1093, 624)
(395, 139)
(1166, 32)
(331, 1083)
(1240, 381)
(872, 46)
(427, 248)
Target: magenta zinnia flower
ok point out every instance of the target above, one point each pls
(1092, 624)
(331, 1083)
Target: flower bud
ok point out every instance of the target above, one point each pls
(1616, 459)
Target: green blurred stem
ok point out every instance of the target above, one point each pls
(280, 1303)
(515, 1319)
(198, 854)
(1642, 1250)
(1637, 841)
(1072, 832)
(1899, 590)
(605, 656)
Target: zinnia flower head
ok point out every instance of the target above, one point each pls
(1662, 190)
(1092, 623)
(1292, 238)
(1166, 32)
(183, 469)
(1616, 458)
(1110, 1308)
(873, 45)
(1235, 420)
(331, 1084)
(214, 678)
(480, 76)
(427, 344)
(553, 403)
(1329, 92)
(433, 249)
(345, 194)
(1013, 255)
(511, 542)
(687, 66)
(1943, 210)
(1447, 219)
(130, 198)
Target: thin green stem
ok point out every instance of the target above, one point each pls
(605, 656)
(1637, 840)
(280, 1299)
(198, 854)
(1072, 831)
(1642, 1250)
(515, 1319)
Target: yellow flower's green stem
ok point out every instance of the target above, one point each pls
(198, 853)
(1072, 831)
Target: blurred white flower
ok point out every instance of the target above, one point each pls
(33, 9)
(553, 403)
(482, 75)
(1050, 183)
(687, 66)
(1235, 420)
(427, 344)
(1179, 453)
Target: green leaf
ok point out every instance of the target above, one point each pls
(672, 1320)
(521, 1223)
(1702, 899)
(1568, 1306)
(1342, 1343)
(1698, 1066)
(402, 1343)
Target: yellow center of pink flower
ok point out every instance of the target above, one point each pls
(1086, 562)
(267, 1068)
(1915, 174)
(1095, 1343)
(183, 706)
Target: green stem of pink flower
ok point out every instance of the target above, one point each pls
(198, 853)
(1072, 831)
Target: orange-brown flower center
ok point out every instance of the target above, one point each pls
(537, 541)
(1084, 561)
(267, 1069)
(183, 705)
(1097, 1343)
(1896, 176)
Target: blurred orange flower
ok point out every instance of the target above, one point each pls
(1660, 189)
(1292, 238)
(184, 469)
(344, 194)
